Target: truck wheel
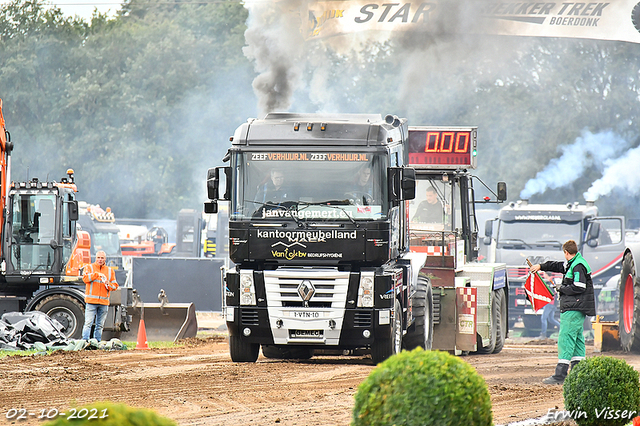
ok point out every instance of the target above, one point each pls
(243, 351)
(629, 306)
(501, 320)
(422, 334)
(287, 352)
(385, 346)
(483, 350)
(67, 310)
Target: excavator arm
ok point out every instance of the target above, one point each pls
(5, 150)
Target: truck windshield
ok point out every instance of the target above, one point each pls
(310, 186)
(533, 234)
(34, 219)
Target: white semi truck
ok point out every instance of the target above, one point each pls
(524, 232)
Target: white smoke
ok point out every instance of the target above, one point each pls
(275, 43)
(588, 150)
(619, 173)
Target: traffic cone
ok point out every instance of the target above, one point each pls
(142, 336)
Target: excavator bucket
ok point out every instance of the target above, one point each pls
(169, 322)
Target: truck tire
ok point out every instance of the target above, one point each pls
(422, 334)
(243, 351)
(501, 320)
(287, 352)
(629, 305)
(385, 346)
(484, 350)
(67, 310)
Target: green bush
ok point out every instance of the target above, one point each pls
(111, 414)
(423, 388)
(602, 391)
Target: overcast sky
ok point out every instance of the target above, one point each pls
(84, 8)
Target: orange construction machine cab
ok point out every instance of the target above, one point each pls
(156, 243)
(40, 244)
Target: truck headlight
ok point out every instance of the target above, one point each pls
(365, 290)
(247, 288)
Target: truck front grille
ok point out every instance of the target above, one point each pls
(330, 287)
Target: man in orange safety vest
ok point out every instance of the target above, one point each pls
(100, 281)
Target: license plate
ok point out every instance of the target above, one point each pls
(306, 334)
(305, 314)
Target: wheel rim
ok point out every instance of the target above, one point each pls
(66, 318)
(627, 306)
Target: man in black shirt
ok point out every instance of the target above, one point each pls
(430, 210)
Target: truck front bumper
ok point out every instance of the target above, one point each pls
(345, 328)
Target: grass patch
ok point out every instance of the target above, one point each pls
(132, 344)
(129, 344)
(5, 353)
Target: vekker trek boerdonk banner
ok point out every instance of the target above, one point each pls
(538, 292)
(607, 20)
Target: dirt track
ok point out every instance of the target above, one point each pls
(197, 384)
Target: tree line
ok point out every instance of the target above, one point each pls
(140, 104)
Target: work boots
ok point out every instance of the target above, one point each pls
(573, 364)
(558, 378)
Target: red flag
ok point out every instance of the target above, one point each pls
(538, 291)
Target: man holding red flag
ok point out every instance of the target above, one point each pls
(577, 301)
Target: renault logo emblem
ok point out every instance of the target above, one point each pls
(306, 290)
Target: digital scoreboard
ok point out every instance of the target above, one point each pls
(443, 147)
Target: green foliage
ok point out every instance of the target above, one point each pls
(423, 388)
(140, 105)
(600, 389)
(111, 414)
(128, 102)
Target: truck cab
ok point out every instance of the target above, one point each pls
(536, 232)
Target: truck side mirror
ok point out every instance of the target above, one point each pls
(401, 183)
(488, 228)
(502, 192)
(211, 207)
(408, 183)
(593, 233)
(213, 180)
(73, 210)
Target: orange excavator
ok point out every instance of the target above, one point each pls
(41, 251)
